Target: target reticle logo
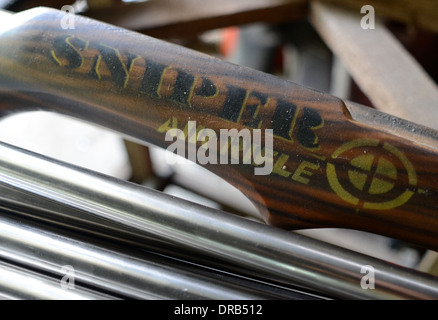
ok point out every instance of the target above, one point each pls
(374, 175)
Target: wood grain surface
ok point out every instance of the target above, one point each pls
(327, 169)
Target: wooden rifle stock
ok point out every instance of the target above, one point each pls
(378, 174)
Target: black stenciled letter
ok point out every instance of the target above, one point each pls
(67, 51)
(207, 89)
(182, 88)
(309, 121)
(113, 59)
(260, 99)
(283, 119)
(152, 78)
(233, 103)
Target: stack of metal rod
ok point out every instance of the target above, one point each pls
(71, 233)
(63, 226)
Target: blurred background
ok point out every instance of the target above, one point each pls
(282, 37)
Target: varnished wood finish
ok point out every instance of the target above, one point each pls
(329, 170)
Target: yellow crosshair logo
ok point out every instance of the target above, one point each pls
(371, 175)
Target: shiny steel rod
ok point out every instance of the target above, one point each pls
(27, 204)
(49, 216)
(29, 208)
(107, 269)
(293, 258)
(57, 216)
(17, 283)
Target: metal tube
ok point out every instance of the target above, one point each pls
(5, 14)
(271, 252)
(122, 274)
(29, 207)
(20, 284)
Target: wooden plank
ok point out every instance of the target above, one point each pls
(393, 81)
(420, 13)
(320, 169)
(173, 18)
(140, 161)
